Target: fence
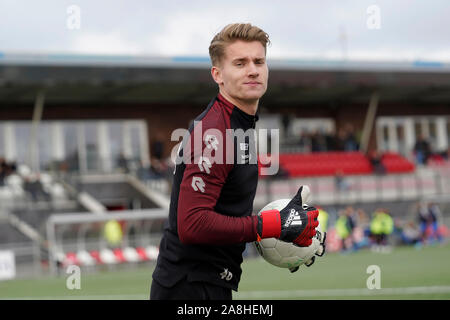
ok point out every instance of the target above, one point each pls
(423, 183)
(84, 232)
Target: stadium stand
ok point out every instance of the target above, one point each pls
(395, 163)
(128, 175)
(346, 163)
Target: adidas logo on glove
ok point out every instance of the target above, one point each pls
(294, 219)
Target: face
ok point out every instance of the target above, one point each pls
(243, 73)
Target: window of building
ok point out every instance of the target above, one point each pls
(71, 142)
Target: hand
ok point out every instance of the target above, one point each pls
(295, 223)
(298, 221)
(308, 263)
(321, 236)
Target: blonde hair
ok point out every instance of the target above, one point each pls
(231, 33)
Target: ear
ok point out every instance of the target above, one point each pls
(216, 73)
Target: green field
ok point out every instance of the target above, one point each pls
(406, 273)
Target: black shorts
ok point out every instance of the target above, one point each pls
(185, 290)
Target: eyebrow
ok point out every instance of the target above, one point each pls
(245, 59)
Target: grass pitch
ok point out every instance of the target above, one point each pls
(405, 273)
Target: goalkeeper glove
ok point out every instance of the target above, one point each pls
(295, 223)
(321, 236)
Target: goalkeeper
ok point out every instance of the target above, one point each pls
(210, 215)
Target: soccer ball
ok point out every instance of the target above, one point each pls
(285, 254)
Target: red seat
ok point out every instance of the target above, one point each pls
(325, 163)
(395, 163)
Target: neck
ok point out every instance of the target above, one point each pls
(248, 106)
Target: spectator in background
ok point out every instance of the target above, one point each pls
(375, 158)
(286, 121)
(122, 163)
(446, 154)
(363, 223)
(410, 234)
(422, 150)
(323, 219)
(350, 142)
(344, 228)
(305, 142)
(113, 233)
(157, 148)
(6, 169)
(33, 185)
(428, 216)
(330, 140)
(381, 227)
(340, 140)
(158, 168)
(318, 142)
(340, 182)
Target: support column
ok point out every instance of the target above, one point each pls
(369, 122)
(33, 161)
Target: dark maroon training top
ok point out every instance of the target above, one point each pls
(210, 217)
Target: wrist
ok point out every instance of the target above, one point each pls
(269, 224)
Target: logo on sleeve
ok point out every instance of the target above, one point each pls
(211, 141)
(204, 164)
(198, 184)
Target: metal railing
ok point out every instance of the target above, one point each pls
(328, 190)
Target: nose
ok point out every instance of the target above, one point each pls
(252, 70)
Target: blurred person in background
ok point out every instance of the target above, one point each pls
(323, 219)
(350, 141)
(376, 160)
(304, 142)
(122, 163)
(410, 234)
(344, 229)
(381, 226)
(428, 218)
(157, 147)
(33, 185)
(362, 229)
(340, 182)
(318, 141)
(331, 140)
(422, 150)
(113, 233)
(6, 169)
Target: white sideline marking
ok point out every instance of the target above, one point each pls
(266, 294)
(340, 292)
(88, 297)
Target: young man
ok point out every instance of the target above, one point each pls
(210, 215)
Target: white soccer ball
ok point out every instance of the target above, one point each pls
(285, 254)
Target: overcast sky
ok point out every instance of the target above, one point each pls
(403, 29)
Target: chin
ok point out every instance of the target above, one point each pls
(253, 95)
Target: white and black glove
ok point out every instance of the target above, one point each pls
(294, 223)
(321, 236)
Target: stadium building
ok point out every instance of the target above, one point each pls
(83, 136)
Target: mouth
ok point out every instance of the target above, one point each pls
(252, 83)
